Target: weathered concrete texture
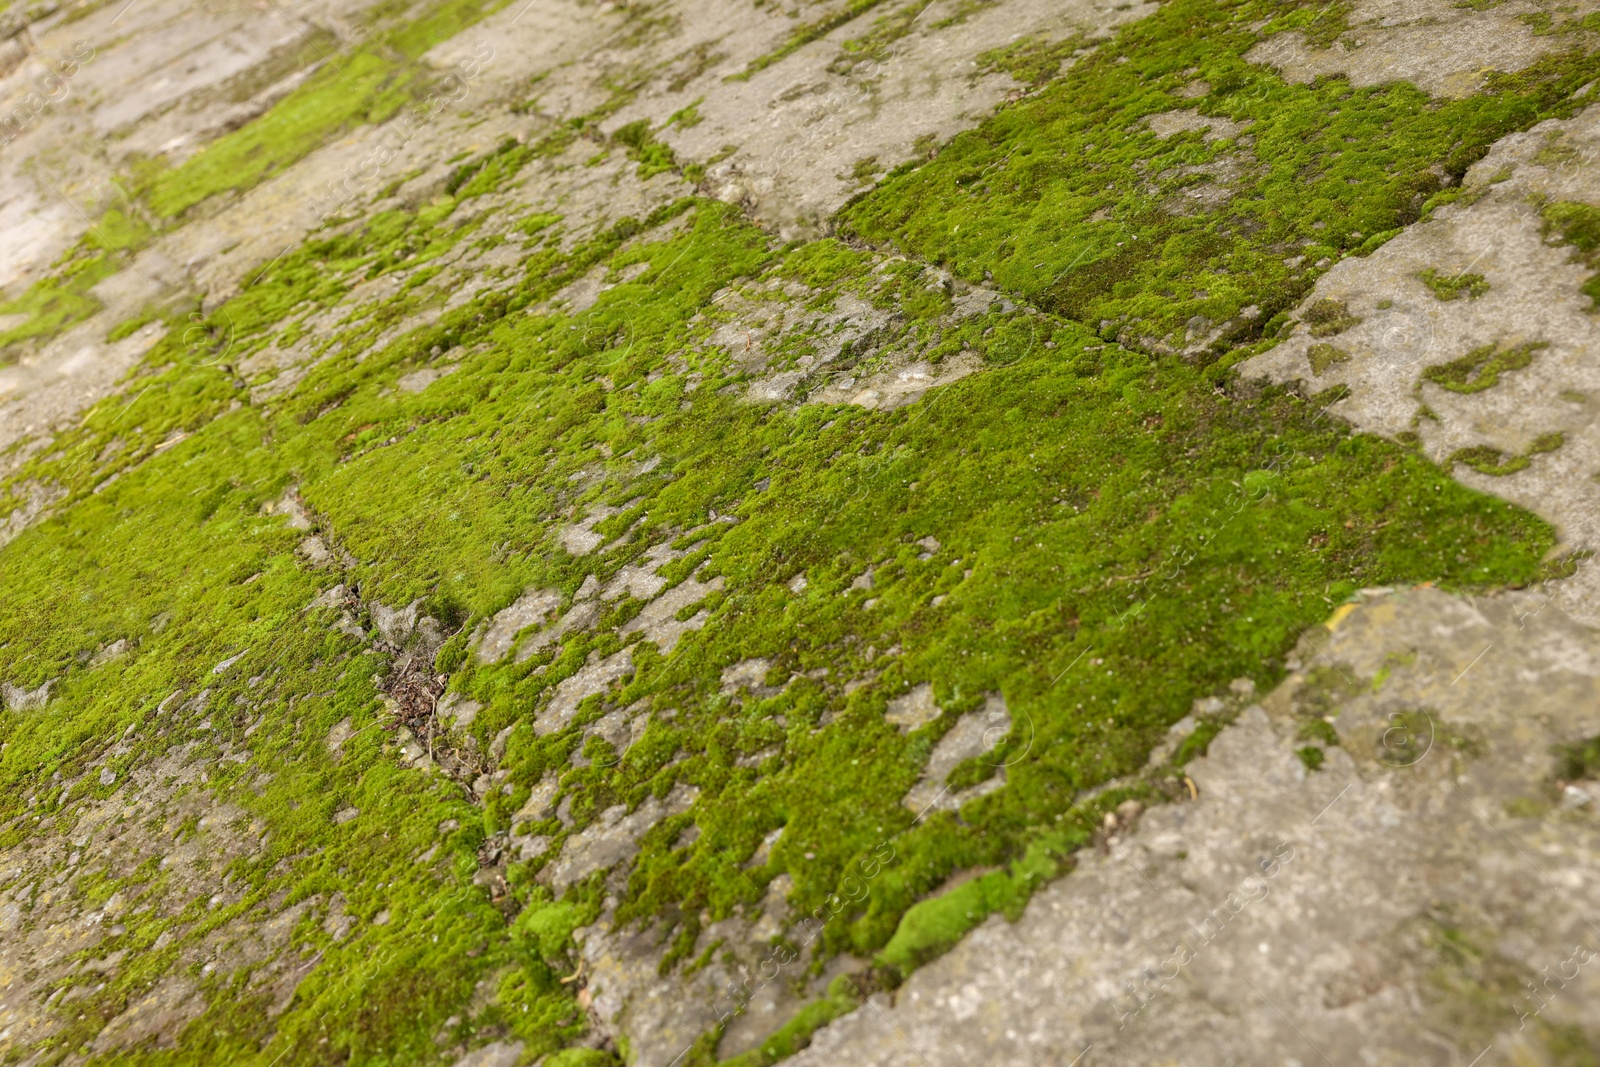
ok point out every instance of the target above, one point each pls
(1533, 297)
(44, 922)
(1427, 897)
(800, 127)
(1446, 49)
(142, 79)
(568, 59)
(785, 141)
(747, 983)
(663, 1017)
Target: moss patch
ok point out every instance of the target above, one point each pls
(1117, 534)
(1069, 199)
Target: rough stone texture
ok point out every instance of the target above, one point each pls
(1295, 917)
(1444, 49)
(44, 921)
(973, 734)
(1340, 947)
(1533, 297)
(614, 837)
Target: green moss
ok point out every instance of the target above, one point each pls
(119, 230)
(581, 1057)
(1322, 24)
(1117, 538)
(653, 156)
(370, 84)
(1323, 356)
(1547, 442)
(59, 300)
(1542, 22)
(1146, 451)
(1032, 61)
(1481, 368)
(359, 89)
(130, 326)
(1578, 225)
(1321, 730)
(1486, 459)
(1580, 760)
(1448, 288)
(932, 927)
(1068, 199)
(1328, 317)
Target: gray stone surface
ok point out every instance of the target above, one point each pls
(1385, 909)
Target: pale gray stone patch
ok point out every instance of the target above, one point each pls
(640, 580)
(316, 552)
(339, 733)
(457, 711)
(614, 836)
(658, 619)
(752, 320)
(895, 388)
(114, 650)
(1213, 128)
(48, 389)
(594, 677)
(17, 698)
(498, 1054)
(580, 539)
(418, 380)
(532, 847)
(1444, 49)
(580, 616)
(579, 296)
(541, 801)
(1176, 734)
(746, 674)
(615, 727)
(532, 608)
(497, 747)
(914, 709)
(973, 734)
(36, 503)
(395, 624)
